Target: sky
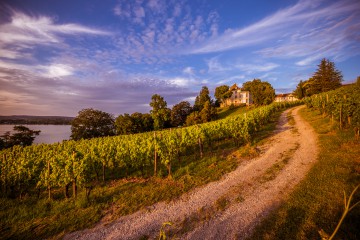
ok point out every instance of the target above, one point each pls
(59, 57)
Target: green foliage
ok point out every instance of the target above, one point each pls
(80, 163)
(208, 113)
(124, 124)
(193, 118)
(300, 91)
(342, 105)
(222, 92)
(326, 78)
(160, 113)
(179, 113)
(91, 123)
(23, 136)
(262, 92)
(202, 98)
(134, 123)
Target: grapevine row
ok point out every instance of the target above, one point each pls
(80, 163)
(341, 105)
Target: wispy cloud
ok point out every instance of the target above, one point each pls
(189, 70)
(171, 27)
(39, 30)
(254, 68)
(308, 29)
(214, 65)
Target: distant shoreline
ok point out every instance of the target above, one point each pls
(35, 120)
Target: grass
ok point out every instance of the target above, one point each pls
(232, 111)
(317, 202)
(31, 218)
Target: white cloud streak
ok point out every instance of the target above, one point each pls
(39, 30)
(251, 68)
(307, 29)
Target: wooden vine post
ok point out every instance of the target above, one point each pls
(74, 187)
(4, 175)
(155, 156)
(201, 147)
(48, 180)
(341, 113)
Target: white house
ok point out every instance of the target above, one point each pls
(285, 97)
(238, 97)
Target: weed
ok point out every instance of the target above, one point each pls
(222, 203)
(162, 234)
(347, 209)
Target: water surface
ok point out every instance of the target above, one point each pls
(48, 134)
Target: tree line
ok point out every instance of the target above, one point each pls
(326, 78)
(92, 123)
(95, 123)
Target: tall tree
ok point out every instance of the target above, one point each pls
(193, 118)
(160, 113)
(300, 91)
(179, 113)
(142, 122)
(326, 78)
(202, 98)
(147, 122)
(222, 93)
(22, 136)
(124, 124)
(262, 92)
(134, 123)
(208, 113)
(92, 123)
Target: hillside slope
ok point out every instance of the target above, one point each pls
(231, 207)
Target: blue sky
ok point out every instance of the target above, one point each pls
(58, 57)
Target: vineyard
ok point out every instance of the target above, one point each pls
(341, 105)
(80, 164)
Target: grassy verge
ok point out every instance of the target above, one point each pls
(30, 218)
(317, 202)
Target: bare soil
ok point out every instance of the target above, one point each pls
(231, 207)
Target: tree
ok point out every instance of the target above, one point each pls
(134, 123)
(124, 124)
(160, 113)
(326, 78)
(193, 118)
(22, 136)
(179, 113)
(300, 91)
(222, 92)
(92, 123)
(208, 113)
(202, 99)
(147, 122)
(262, 92)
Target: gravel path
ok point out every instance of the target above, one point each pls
(248, 194)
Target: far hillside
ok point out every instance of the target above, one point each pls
(25, 119)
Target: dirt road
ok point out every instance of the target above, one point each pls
(231, 207)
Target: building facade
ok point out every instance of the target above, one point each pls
(285, 97)
(238, 97)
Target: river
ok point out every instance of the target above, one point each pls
(48, 134)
